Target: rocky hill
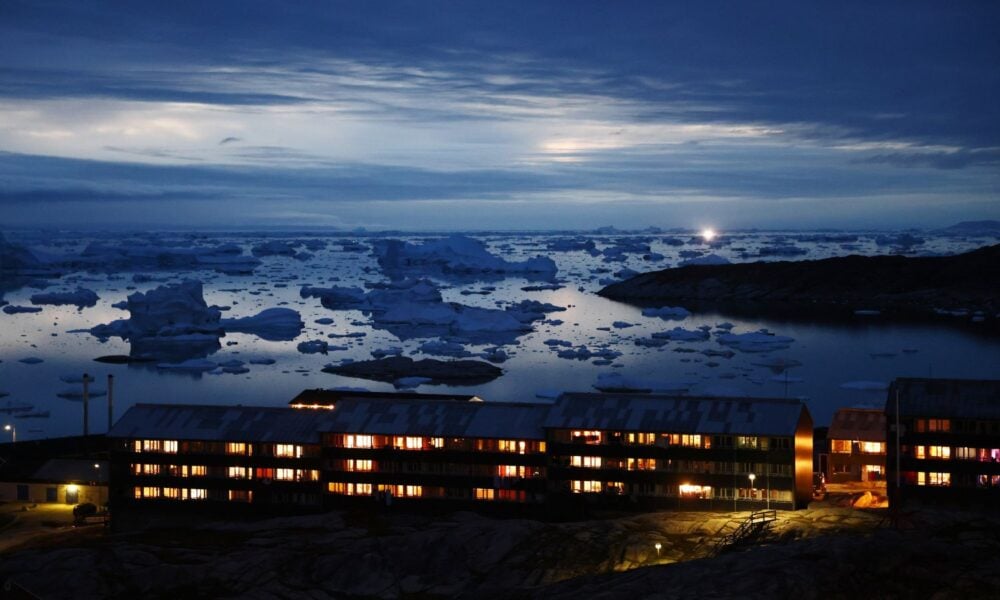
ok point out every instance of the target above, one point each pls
(892, 284)
(814, 553)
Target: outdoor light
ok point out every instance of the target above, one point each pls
(72, 488)
(13, 432)
(657, 545)
(752, 477)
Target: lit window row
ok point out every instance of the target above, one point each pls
(171, 493)
(349, 489)
(593, 487)
(171, 470)
(846, 446)
(165, 446)
(942, 452)
(943, 479)
(588, 462)
(959, 453)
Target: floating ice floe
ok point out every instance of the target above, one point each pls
(275, 324)
(457, 254)
(444, 348)
(679, 334)
(313, 347)
(708, 259)
(755, 341)
(667, 313)
(80, 298)
(12, 309)
(31, 360)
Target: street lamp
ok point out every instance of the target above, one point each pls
(752, 494)
(657, 545)
(13, 432)
(97, 467)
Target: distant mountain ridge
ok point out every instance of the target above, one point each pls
(892, 284)
(967, 227)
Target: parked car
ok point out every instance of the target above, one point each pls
(82, 511)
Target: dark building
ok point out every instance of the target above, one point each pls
(856, 440)
(334, 449)
(948, 442)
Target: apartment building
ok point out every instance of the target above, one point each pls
(856, 441)
(948, 441)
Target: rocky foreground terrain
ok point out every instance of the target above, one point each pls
(816, 553)
(891, 284)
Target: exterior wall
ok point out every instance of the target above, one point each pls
(42, 493)
(803, 444)
(179, 471)
(658, 469)
(452, 470)
(856, 464)
(946, 461)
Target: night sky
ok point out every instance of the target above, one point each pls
(498, 115)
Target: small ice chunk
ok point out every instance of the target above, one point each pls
(80, 298)
(12, 309)
(667, 313)
(313, 347)
(192, 364)
(31, 360)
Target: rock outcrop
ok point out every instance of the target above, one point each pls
(890, 284)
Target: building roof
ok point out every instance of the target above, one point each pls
(440, 418)
(222, 423)
(54, 470)
(323, 397)
(676, 414)
(860, 424)
(945, 398)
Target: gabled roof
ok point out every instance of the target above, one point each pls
(222, 423)
(945, 398)
(440, 418)
(676, 414)
(860, 424)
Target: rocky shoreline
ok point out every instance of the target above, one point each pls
(964, 285)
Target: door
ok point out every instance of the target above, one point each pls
(22, 493)
(72, 495)
(51, 494)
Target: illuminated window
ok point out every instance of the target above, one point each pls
(512, 446)
(965, 453)
(172, 493)
(240, 495)
(586, 487)
(199, 470)
(942, 479)
(919, 452)
(402, 491)
(358, 465)
(744, 441)
(306, 475)
(288, 450)
(873, 447)
(148, 446)
(239, 472)
(938, 424)
(642, 438)
(512, 471)
(170, 446)
(694, 491)
(641, 464)
(589, 462)
(409, 443)
(840, 446)
(198, 494)
(349, 489)
(943, 452)
(541, 446)
(483, 493)
(690, 440)
(236, 448)
(137, 492)
(284, 474)
(150, 469)
(358, 441)
(587, 437)
(437, 442)
(150, 492)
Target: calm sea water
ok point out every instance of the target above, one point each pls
(864, 349)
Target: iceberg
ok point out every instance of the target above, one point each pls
(708, 259)
(755, 342)
(455, 254)
(12, 309)
(667, 313)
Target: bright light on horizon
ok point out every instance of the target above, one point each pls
(708, 234)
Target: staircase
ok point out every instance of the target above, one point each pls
(757, 526)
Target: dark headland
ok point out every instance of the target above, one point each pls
(893, 285)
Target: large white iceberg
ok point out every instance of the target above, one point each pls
(275, 324)
(457, 254)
